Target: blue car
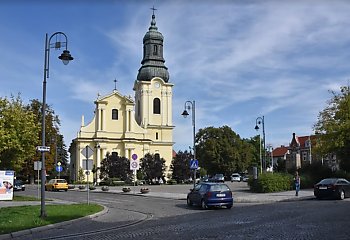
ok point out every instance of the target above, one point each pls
(208, 194)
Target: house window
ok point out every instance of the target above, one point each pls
(155, 50)
(115, 114)
(156, 106)
(156, 136)
(305, 156)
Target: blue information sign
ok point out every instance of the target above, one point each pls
(194, 164)
(59, 168)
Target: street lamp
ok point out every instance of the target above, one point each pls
(65, 57)
(188, 106)
(260, 121)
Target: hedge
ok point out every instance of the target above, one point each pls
(271, 182)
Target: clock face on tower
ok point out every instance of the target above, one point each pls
(157, 85)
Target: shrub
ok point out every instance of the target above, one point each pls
(271, 182)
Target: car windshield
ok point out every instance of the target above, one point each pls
(328, 181)
(61, 181)
(219, 188)
(19, 182)
(235, 175)
(219, 175)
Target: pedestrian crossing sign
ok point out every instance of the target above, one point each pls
(194, 164)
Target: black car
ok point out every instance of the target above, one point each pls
(208, 194)
(18, 185)
(338, 188)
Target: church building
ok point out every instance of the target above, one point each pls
(131, 127)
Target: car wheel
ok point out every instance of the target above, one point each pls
(229, 206)
(341, 195)
(203, 205)
(189, 202)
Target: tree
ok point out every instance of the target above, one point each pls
(221, 150)
(180, 166)
(333, 128)
(114, 166)
(53, 139)
(18, 133)
(152, 166)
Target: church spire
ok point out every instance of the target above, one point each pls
(153, 61)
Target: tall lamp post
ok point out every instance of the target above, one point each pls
(260, 121)
(65, 57)
(188, 106)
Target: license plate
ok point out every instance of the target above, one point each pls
(220, 195)
(322, 188)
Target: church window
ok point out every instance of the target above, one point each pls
(138, 108)
(156, 106)
(115, 114)
(156, 136)
(155, 50)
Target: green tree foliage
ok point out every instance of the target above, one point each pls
(152, 166)
(221, 150)
(18, 133)
(114, 166)
(53, 139)
(180, 166)
(333, 127)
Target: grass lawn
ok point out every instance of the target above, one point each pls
(24, 217)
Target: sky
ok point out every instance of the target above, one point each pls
(238, 60)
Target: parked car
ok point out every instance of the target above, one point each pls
(18, 185)
(219, 178)
(338, 188)
(245, 178)
(236, 177)
(209, 195)
(56, 185)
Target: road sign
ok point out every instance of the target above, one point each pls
(37, 165)
(194, 164)
(134, 156)
(43, 149)
(59, 168)
(89, 164)
(134, 165)
(87, 152)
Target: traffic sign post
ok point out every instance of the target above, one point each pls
(37, 167)
(87, 152)
(59, 169)
(134, 166)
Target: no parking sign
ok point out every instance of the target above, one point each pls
(134, 163)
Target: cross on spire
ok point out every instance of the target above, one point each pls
(154, 9)
(115, 84)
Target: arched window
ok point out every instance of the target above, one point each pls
(155, 50)
(156, 106)
(115, 114)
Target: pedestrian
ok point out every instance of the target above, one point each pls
(297, 183)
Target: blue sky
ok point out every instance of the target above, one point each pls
(237, 59)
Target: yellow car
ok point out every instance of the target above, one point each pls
(56, 185)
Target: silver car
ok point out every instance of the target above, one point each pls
(236, 177)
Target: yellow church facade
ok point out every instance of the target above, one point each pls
(131, 126)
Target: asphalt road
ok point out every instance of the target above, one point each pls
(142, 217)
